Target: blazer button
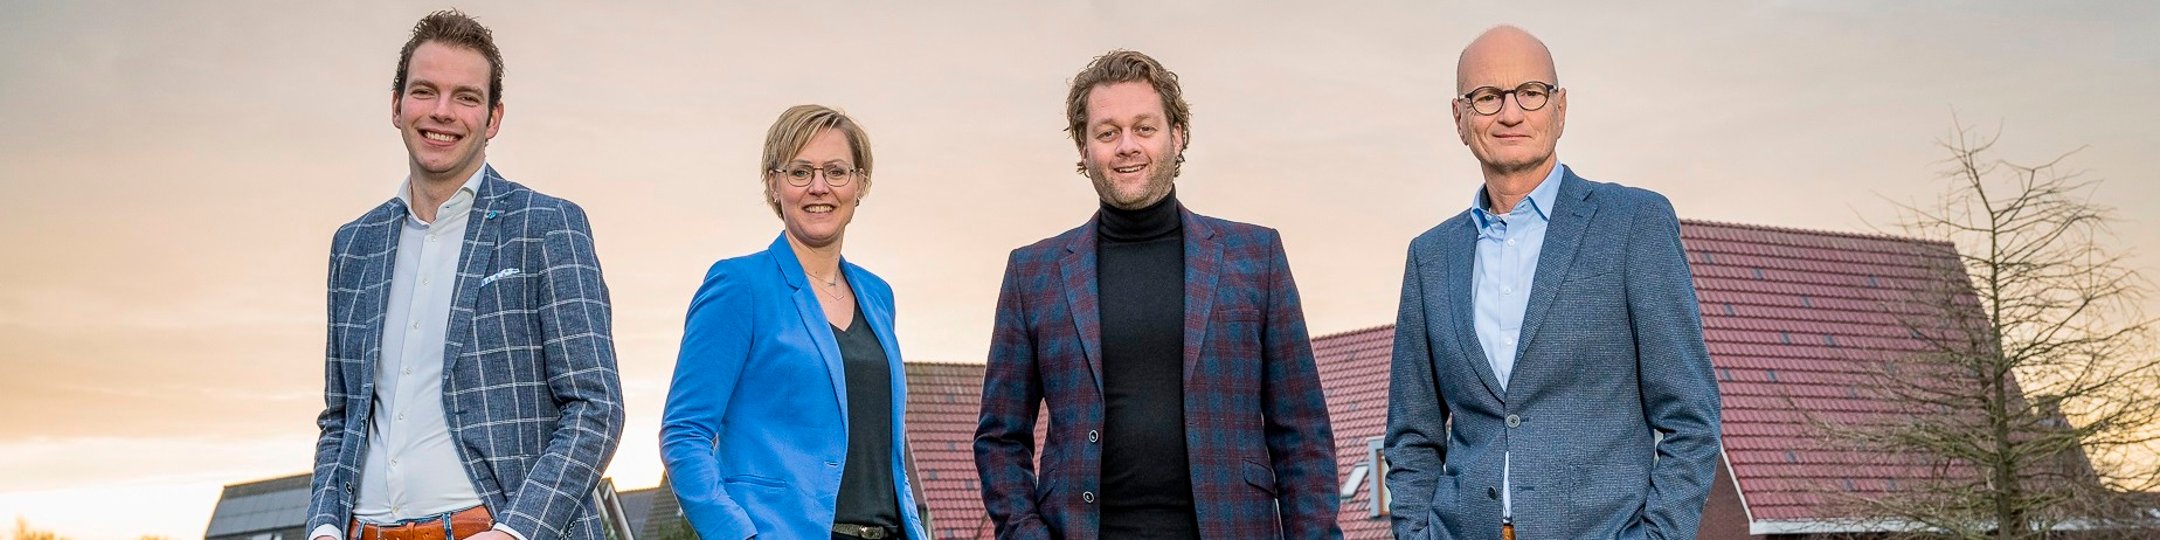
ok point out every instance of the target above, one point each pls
(1514, 421)
(1087, 497)
(1094, 436)
(1492, 493)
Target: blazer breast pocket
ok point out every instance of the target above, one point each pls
(1236, 330)
(1593, 265)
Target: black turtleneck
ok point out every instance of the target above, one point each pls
(1140, 278)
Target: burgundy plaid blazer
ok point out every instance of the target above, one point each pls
(1257, 434)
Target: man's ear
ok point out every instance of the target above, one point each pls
(1461, 131)
(494, 120)
(1559, 113)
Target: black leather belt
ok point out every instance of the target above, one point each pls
(865, 532)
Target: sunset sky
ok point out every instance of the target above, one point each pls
(172, 171)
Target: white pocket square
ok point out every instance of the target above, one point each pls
(507, 272)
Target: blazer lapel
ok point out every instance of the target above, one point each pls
(1203, 256)
(1563, 236)
(1078, 269)
(476, 261)
(813, 318)
(381, 239)
(1459, 247)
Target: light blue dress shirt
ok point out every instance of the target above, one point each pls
(1507, 258)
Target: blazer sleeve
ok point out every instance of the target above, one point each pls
(1679, 388)
(1299, 440)
(1416, 443)
(716, 343)
(328, 494)
(575, 325)
(1005, 438)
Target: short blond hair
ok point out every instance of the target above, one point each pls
(794, 129)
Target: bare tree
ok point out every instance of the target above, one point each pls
(2028, 387)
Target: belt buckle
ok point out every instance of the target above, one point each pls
(864, 532)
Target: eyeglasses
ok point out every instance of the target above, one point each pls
(1531, 96)
(801, 175)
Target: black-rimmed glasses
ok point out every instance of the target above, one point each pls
(1531, 96)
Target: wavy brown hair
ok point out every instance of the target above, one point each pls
(1120, 66)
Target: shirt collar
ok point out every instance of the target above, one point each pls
(458, 201)
(1538, 204)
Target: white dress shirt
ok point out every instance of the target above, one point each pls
(413, 469)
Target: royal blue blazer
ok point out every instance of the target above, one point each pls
(755, 431)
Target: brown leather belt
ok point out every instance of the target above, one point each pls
(447, 526)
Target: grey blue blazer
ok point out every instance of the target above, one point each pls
(531, 391)
(1611, 354)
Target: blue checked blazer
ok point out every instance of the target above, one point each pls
(531, 391)
(1611, 352)
(1258, 441)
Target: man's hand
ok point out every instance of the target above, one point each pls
(492, 534)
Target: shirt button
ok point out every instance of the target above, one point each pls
(1510, 241)
(832, 464)
(1094, 436)
(423, 281)
(1507, 290)
(1087, 497)
(408, 371)
(416, 325)
(1514, 421)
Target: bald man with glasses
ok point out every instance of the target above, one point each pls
(1549, 373)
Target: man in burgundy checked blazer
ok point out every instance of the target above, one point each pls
(1169, 346)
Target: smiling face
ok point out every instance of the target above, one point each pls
(817, 214)
(443, 112)
(1512, 140)
(1132, 148)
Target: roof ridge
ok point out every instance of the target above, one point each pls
(1382, 326)
(1813, 232)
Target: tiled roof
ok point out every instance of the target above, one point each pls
(1792, 319)
(1354, 371)
(944, 405)
(263, 505)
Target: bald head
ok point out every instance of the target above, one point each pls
(1503, 57)
(1511, 111)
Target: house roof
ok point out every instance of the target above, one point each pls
(1795, 321)
(1792, 319)
(259, 506)
(944, 406)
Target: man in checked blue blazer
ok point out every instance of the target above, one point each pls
(1169, 347)
(471, 389)
(1549, 372)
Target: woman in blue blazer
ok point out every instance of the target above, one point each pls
(785, 419)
